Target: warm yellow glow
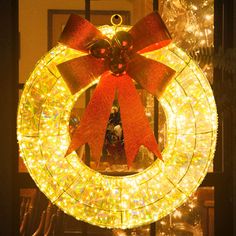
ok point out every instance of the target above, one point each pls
(107, 201)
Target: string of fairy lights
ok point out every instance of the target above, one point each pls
(191, 24)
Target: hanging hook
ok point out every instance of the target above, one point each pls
(116, 17)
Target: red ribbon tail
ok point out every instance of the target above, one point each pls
(135, 124)
(140, 68)
(93, 124)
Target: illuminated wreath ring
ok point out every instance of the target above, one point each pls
(108, 201)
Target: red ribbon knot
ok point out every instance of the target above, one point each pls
(116, 62)
(117, 51)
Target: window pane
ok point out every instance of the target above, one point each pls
(38, 214)
(191, 24)
(193, 218)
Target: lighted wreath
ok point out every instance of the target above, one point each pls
(162, 69)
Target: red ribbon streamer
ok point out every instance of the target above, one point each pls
(148, 34)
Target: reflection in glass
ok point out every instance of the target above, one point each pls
(194, 218)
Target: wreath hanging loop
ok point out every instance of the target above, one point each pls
(116, 17)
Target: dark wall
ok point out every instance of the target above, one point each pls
(8, 106)
(234, 120)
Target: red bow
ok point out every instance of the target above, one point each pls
(116, 62)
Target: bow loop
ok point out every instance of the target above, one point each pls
(150, 33)
(80, 72)
(140, 69)
(79, 33)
